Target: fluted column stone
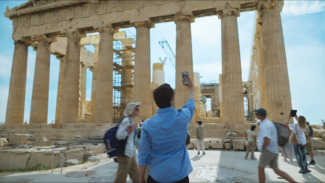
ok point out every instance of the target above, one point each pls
(83, 78)
(104, 95)
(60, 86)
(276, 69)
(184, 60)
(232, 88)
(142, 71)
(70, 91)
(40, 95)
(17, 87)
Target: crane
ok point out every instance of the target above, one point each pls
(168, 50)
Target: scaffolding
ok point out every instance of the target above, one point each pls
(123, 67)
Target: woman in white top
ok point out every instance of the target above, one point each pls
(300, 149)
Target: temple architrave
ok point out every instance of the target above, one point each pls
(60, 28)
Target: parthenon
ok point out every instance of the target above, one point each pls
(42, 24)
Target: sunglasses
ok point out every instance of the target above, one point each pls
(256, 114)
(137, 109)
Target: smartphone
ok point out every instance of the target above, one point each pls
(293, 113)
(185, 77)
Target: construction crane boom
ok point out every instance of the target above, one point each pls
(168, 50)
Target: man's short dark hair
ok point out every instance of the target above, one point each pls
(253, 127)
(199, 122)
(162, 95)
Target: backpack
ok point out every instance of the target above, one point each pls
(114, 147)
(311, 133)
(283, 134)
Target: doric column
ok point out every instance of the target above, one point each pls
(60, 85)
(276, 70)
(232, 88)
(94, 81)
(197, 90)
(70, 91)
(184, 61)
(83, 77)
(260, 64)
(142, 72)
(17, 88)
(104, 95)
(40, 95)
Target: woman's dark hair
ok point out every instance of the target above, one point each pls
(162, 95)
(253, 127)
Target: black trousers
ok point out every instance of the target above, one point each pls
(185, 180)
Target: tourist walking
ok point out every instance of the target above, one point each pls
(250, 136)
(300, 149)
(127, 162)
(162, 144)
(309, 144)
(199, 137)
(268, 145)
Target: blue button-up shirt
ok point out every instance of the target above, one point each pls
(162, 144)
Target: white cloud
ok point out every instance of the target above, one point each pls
(293, 8)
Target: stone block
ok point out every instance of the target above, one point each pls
(3, 141)
(98, 149)
(318, 143)
(228, 146)
(316, 126)
(17, 139)
(88, 154)
(239, 145)
(216, 144)
(43, 143)
(74, 154)
(323, 137)
(319, 132)
(44, 159)
(14, 160)
(71, 162)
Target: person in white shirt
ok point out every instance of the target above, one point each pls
(267, 143)
(127, 161)
(300, 149)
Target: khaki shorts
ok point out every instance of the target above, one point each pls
(268, 158)
(309, 147)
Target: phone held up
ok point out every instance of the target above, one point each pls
(293, 113)
(185, 77)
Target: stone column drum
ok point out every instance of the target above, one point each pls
(83, 77)
(232, 89)
(17, 88)
(40, 95)
(104, 95)
(142, 73)
(184, 61)
(276, 70)
(70, 91)
(60, 86)
(197, 90)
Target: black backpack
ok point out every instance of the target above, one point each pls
(311, 133)
(114, 147)
(282, 132)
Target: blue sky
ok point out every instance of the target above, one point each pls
(304, 34)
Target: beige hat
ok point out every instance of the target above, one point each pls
(130, 108)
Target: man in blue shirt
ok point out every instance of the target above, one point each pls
(163, 137)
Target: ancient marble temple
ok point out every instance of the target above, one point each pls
(41, 23)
